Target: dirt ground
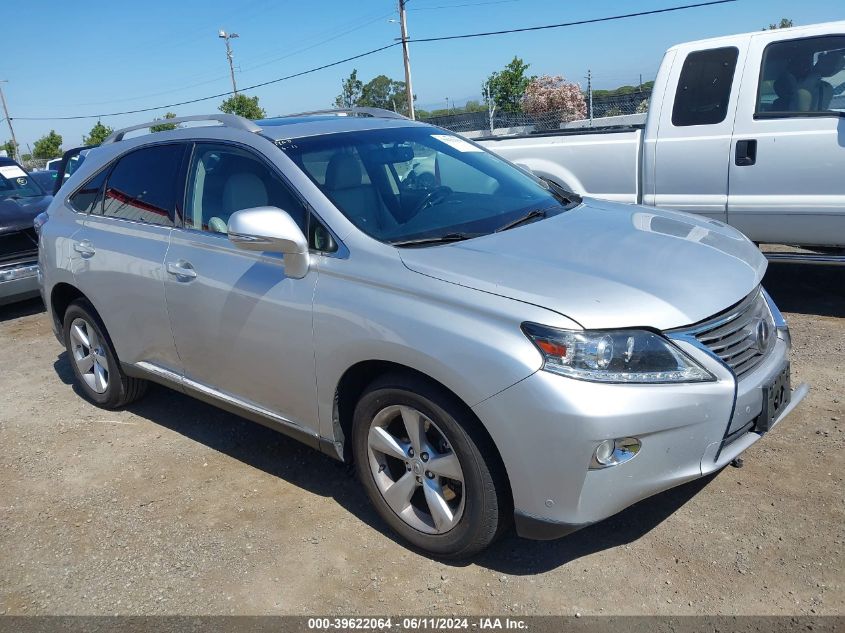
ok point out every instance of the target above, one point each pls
(173, 506)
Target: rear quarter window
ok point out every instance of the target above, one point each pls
(704, 87)
(88, 197)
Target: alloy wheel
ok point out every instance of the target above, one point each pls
(415, 469)
(89, 354)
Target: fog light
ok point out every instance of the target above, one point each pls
(604, 452)
(614, 452)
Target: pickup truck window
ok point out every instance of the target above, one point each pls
(704, 87)
(802, 76)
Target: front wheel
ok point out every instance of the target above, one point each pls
(427, 467)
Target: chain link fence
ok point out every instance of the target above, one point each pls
(34, 164)
(606, 111)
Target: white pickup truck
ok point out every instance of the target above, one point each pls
(746, 129)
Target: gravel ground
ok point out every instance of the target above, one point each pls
(172, 506)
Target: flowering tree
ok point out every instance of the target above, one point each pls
(550, 99)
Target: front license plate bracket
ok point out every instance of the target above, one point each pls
(776, 396)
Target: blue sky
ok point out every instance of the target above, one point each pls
(97, 56)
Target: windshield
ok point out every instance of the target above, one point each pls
(421, 184)
(16, 183)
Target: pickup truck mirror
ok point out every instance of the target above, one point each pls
(272, 230)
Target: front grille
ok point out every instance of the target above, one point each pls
(20, 245)
(742, 336)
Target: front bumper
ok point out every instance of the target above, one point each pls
(547, 427)
(18, 281)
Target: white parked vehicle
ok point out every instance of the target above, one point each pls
(747, 129)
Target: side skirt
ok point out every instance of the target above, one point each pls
(226, 402)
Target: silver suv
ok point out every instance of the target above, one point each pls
(483, 345)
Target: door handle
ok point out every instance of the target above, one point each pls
(746, 153)
(182, 270)
(84, 248)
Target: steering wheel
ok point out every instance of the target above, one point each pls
(438, 194)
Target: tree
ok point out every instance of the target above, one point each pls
(350, 91)
(551, 100)
(165, 126)
(48, 146)
(785, 23)
(506, 87)
(624, 90)
(473, 105)
(243, 106)
(643, 106)
(11, 148)
(384, 92)
(97, 135)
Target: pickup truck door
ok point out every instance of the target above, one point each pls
(689, 146)
(787, 161)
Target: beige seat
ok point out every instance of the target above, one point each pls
(243, 190)
(359, 201)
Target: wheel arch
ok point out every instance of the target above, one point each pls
(359, 376)
(61, 296)
(555, 172)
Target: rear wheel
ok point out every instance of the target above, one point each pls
(427, 468)
(95, 367)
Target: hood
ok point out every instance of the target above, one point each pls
(16, 215)
(607, 265)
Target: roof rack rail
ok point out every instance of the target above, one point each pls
(229, 120)
(373, 112)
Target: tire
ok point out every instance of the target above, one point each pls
(453, 513)
(96, 370)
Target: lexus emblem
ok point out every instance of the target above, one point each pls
(761, 335)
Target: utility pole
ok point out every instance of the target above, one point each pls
(408, 87)
(8, 119)
(229, 36)
(590, 93)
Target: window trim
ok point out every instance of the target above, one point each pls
(730, 91)
(310, 211)
(758, 115)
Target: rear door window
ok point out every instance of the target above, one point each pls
(704, 87)
(143, 185)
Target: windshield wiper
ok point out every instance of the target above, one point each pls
(535, 213)
(437, 239)
(568, 198)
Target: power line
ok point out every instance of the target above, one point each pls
(378, 50)
(217, 78)
(216, 96)
(576, 23)
(457, 6)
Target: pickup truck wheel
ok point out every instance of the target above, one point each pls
(421, 462)
(95, 368)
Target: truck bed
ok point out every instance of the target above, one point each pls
(599, 162)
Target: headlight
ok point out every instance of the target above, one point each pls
(626, 356)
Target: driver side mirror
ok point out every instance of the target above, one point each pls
(270, 229)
